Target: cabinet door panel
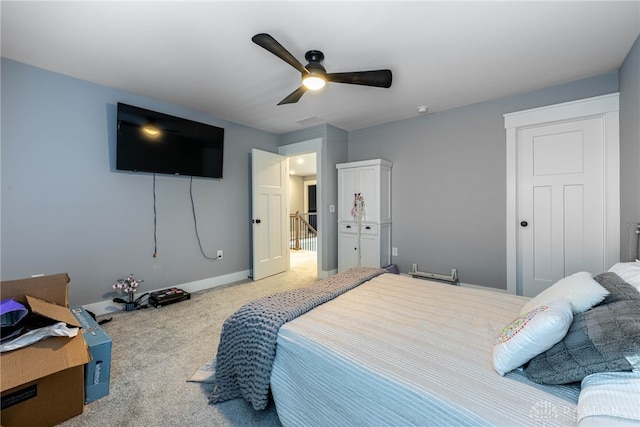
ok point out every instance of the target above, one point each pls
(348, 184)
(347, 251)
(368, 178)
(370, 251)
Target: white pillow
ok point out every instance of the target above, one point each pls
(580, 289)
(629, 272)
(531, 334)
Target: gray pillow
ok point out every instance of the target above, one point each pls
(619, 290)
(597, 341)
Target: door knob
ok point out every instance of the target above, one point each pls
(256, 221)
(524, 223)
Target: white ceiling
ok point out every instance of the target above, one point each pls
(302, 165)
(200, 55)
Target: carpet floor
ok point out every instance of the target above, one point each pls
(156, 350)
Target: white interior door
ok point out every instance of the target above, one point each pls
(561, 202)
(563, 191)
(269, 200)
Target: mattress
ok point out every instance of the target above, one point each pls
(402, 351)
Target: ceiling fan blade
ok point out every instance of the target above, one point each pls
(271, 44)
(294, 96)
(378, 78)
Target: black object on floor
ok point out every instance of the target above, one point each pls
(168, 296)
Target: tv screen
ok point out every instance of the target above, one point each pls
(148, 141)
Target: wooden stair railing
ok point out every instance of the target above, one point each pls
(299, 222)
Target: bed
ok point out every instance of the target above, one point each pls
(394, 350)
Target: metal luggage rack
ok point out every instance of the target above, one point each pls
(453, 278)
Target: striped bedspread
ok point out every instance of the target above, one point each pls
(248, 339)
(408, 352)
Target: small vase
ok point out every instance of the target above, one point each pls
(129, 306)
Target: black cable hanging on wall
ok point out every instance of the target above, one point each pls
(195, 222)
(155, 223)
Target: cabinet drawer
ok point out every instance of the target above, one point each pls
(369, 229)
(350, 227)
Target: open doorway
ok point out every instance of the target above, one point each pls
(303, 213)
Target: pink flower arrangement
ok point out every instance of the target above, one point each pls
(128, 286)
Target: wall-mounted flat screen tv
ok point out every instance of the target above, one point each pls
(148, 141)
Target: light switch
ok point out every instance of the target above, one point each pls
(332, 208)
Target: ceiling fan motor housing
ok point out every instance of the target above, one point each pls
(314, 67)
(314, 56)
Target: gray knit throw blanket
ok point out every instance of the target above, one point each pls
(248, 339)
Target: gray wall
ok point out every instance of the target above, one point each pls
(449, 181)
(296, 194)
(630, 150)
(66, 209)
(336, 152)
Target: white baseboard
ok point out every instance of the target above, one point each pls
(106, 307)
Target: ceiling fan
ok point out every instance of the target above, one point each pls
(314, 75)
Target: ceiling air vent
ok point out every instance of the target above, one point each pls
(310, 120)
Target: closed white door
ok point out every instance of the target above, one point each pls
(561, 202)
(563, 191)
(270, 216)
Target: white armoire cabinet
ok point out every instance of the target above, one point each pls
(372, 180)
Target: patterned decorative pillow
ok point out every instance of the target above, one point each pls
(531, 334)
(579, 288)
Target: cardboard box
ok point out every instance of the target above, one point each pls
(98, 371)
(43, 384)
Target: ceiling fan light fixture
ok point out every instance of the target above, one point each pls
(314, 81)
(316, 77)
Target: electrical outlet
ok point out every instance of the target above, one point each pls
(220, 254)
(394, 251)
